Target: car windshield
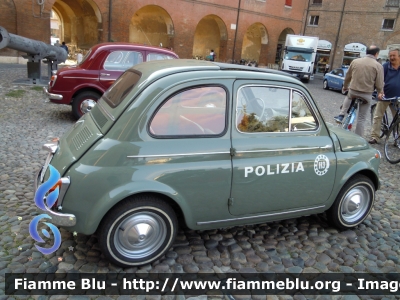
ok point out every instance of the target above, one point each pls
(298, 56)
(121, 87)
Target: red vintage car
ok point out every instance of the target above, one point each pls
(82, 85)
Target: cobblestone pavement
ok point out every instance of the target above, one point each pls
(306, 244)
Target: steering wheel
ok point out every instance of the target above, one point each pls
(258, 104)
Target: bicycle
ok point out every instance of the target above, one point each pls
(347, 123)
(392, 141)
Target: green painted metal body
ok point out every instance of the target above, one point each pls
(205, 176)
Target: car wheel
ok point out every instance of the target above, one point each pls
(325, 84)
(353, 203)
(137, 231)
(84, 102)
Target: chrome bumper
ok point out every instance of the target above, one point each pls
(60, 219)
(52, 96)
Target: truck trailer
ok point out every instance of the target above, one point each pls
(298, 57)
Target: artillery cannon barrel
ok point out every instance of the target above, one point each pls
(31, 47)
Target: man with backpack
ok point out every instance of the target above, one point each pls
(391, 89)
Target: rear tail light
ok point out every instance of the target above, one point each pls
(53, 80)
(349, 126)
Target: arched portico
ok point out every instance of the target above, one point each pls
(80, 22)
(210, 34)
(152, 25)
(256, 36)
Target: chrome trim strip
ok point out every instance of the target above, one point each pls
(59, 219)
(50, 147)
(52, 96)
(56, 217)
(65, 183)
(94, 78)
(110, 116)
(44, 169)
(180, 154)
(260, 216)
(286, 149)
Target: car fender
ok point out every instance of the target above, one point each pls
(93, 216)
(369, 168)
(86, 86)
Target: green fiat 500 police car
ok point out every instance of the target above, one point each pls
(205, 145)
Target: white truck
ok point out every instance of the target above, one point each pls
(298, 57)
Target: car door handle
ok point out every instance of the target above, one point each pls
(104, 74)
(326, 147)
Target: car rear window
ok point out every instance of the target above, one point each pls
(121, 87)
(122, 60)
(159, 56)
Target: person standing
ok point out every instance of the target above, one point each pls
(212, 55)
(79, 57)
(391, 71)
(364, 75)
(327, 66)
(65, 47)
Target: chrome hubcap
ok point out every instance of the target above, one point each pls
(140, 235)
(355, 204)
(87, 105)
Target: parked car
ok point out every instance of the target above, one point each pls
(334, 79)
(209, 145)
(82, 85)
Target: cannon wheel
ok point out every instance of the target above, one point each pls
(84, 102)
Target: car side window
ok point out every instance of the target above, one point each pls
(334, 72)
(302, 118)
(262, 109)
(199, 111)
(340, 73)
(133, 58)
(122, 60)
(158, 56)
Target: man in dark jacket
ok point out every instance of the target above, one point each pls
(392, 89)
(65, 47)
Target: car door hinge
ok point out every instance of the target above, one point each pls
(233, 151)
(230, 201)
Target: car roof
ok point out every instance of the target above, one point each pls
(159, 68)
(131, 46)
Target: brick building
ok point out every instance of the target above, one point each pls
(239, 29)
(346, 27)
